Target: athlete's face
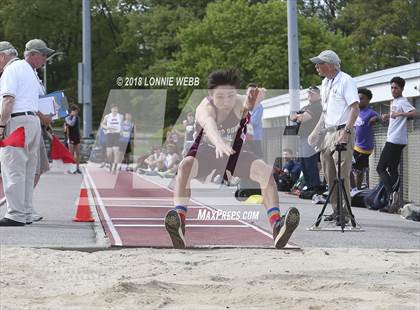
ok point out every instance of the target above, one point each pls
(363, 100)
(224, 96)
(324, 69)
(38, 60)
(396, 90)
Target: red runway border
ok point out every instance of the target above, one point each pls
(134, 216)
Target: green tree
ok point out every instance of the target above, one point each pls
(326, 10)
(59, 23)
(253, 38)
(383, 33)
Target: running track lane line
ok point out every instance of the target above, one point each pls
(209, 208)
(108, 221)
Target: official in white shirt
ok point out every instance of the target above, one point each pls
(19, 94)
(340, 102)
(32, 50)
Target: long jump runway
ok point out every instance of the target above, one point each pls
(133, 216)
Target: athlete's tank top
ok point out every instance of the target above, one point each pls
(126, 130)
(232, 130)
(113, 123)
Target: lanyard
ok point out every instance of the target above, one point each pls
(40, 82)
(327, 95)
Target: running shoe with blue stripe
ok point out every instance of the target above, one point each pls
(284, 227)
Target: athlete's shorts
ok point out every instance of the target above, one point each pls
(361, 161)
(112, 139)
(238, 164)
(74, 139)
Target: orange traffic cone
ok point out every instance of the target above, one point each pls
(83, 210)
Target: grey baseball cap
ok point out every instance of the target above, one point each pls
(327, 56)
(37, 45)
(4, 46)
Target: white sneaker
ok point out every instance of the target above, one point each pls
(34, 217)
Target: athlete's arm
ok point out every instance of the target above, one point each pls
(206, 117)
(255, 95)
(103, 124)
(372, 121)
(410, 114)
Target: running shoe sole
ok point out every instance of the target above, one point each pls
(291, 221)
(174, 228)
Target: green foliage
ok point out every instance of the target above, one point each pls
(383, 33)
(252, 38)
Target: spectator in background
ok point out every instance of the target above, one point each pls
(396, 140)
(170, 164)
(363, 145)
(189, 132)
(308, 117)
(127, 132)
(73, 128)
(286, 165)
(155, 162)
(174, 136)
(112, 124)
(256, 127)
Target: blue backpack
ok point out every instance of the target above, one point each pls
(377, 198)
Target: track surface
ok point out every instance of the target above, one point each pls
(134, 215)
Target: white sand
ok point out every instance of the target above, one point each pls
(209, 279)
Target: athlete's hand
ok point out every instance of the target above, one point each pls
(222, 149)
(254, 95)
(395, 114)
(385, 117)
(372, 121)
(342, 138)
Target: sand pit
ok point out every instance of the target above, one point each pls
(209, 279)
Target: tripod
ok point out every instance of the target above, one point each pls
(341, 193)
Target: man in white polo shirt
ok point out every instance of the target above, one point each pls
(340, 101)
(33, 48)
(19, 94)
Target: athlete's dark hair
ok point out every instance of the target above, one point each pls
(399, 81)
(224, 77)
(365, 91)
(75, 108)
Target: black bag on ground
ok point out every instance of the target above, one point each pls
(284, 182)
(247, 188)
(307, 193)
(358, 197)
(377, 198)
